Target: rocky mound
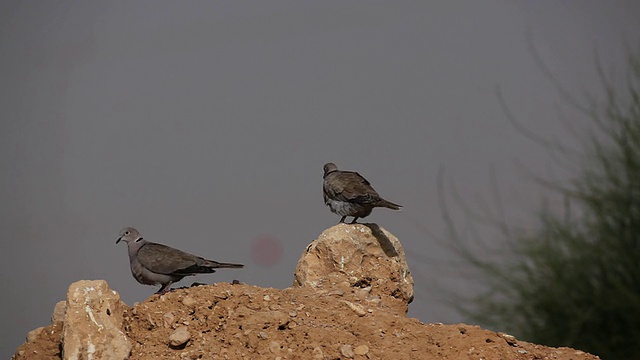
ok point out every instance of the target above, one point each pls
(349, 300)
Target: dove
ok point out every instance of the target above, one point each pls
(157, 264)
(348, 193)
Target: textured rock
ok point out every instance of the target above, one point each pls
(179, 336)
(361, 350)
(346, 351)
(93, 323)
(363, 256)
(33, 334)
(59, 311)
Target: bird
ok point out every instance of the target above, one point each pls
(348, 193)
(158, 264)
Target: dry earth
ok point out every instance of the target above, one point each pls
(344, 316)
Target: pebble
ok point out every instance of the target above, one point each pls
(346, 351)
(189, 301)
(59, 311)
(167, 319)
(274, 347)
(179, 336)
(357, 308)
(318, 353)
(361, 350)
(33, 334)
(263, 335)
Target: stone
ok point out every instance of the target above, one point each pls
(361, 350)
(346, 351)
(274, 347)
(357, 308)
(93, 323)
(180, 336)
(33, 334)
(318, 353)
(189, 301)
(362, 255)
(59, 311)
(168, 319)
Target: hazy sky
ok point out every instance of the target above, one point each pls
(206, 125)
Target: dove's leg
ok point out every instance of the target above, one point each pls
(164, 288)
(354, 220)
(342, 220)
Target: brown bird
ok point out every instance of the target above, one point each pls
(348, 193)
(157, 264)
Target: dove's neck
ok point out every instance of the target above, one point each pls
(134, 246)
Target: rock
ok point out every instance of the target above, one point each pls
(357, 308)
(317, 353)
(363, 255)
(179, 337)
(167, 319)
(33, 334)
(274, 347)
(93, 323)
(361, 350)
(59, 311)
(189, 301)
(346, 351)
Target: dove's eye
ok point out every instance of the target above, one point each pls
(126, 233)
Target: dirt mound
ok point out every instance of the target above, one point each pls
(352, 289)
(227, 321)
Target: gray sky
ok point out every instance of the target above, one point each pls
(206, 125)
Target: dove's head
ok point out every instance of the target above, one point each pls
(329, 168)
(128, 235)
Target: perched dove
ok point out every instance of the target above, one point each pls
(347, 193)
(157, 264)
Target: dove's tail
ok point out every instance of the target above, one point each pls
(215, 264)
(388, 204)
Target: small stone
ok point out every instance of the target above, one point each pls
(510, 339)
(179, 337)
(59, 311)
(357, 308)
(293, 314)
(318, 353)
(361, 350)
(167, 319)
(274, 347)
(266, 297)
(522, 351)
(33, 334)
(263, 335)
(189, 301)
(337, 292)
(346, 351)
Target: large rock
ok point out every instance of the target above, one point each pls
(93, 323)
(362, 256)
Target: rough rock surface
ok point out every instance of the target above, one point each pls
(93, 323)
(364, 256)
(338, 320)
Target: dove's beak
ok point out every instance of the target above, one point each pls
(120, 238)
